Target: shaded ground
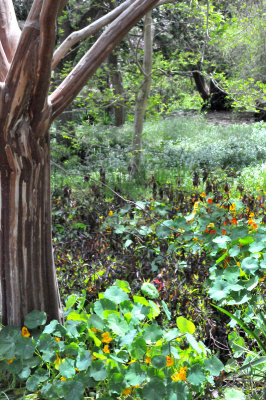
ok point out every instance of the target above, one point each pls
(222, 117)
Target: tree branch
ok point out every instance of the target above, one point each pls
(48, 17)
(75, 81)
(90, 30)
(4, 64)
(9, 29)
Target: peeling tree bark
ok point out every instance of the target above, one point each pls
(28, 279)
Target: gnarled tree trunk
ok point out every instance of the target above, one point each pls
(27, 267)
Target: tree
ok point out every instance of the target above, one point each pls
(28, 279)
(143, 93)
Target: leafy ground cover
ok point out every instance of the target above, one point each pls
(188, 319)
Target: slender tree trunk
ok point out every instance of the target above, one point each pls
(27, 266)
(116, 80)
(143, 94)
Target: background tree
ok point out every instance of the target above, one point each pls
(28, 279)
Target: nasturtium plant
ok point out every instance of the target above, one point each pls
(108, 349)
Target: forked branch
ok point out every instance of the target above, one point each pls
(9, 29)
(88, 31)
(75, 81)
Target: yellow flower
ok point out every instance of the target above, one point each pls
(58, 361)
(203, 194)
(211, 225)
(94, 330)
(131, 362)
(62, 378)
(126, 391)
(110, 213)
(106, 337)
(181, 375)
(169, 361)
(195, 239)
(251, 215)
(106, 349)
(25, 332)
(232, 207)
(57, 339)
(148, 360)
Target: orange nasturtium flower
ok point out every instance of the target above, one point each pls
(106, 337)
(25, 332)
(234, 221)
(106, 349)
(126, 391)
(11, 360)
(181, 375)
(209, 201)
(223, 232)
(148, 360)
(169, 361)
(110, 213)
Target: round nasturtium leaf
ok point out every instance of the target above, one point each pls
(35, 318)
(214, 365)
(185, 326)
(149, 290)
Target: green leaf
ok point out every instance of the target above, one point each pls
(246, 240)
(128, 338)
(67, 368)
(219, 290)
(118, 326)
(104, 304)
(185, 326)
(35, 318)
(196, 375)
(138, 348)
(84, 360)
(123, 285)
(158, 362)
(231, 274)
(214, 365)
(250, 265)
(96, 322)
(222, 241)
(34, 380)
(71, 300)
(237, 344)
(233, 394)
(135, 375)
(193, 343)
(177, 391)
(25, 348)
(166, 310)
(115, 294)
(25, 373)
(154, 390)
(234, 251)
(152, 333)
(73, 390)
(98, 371)
(256, 247)
(149, 290)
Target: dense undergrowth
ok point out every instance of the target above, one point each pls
(143, 267)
